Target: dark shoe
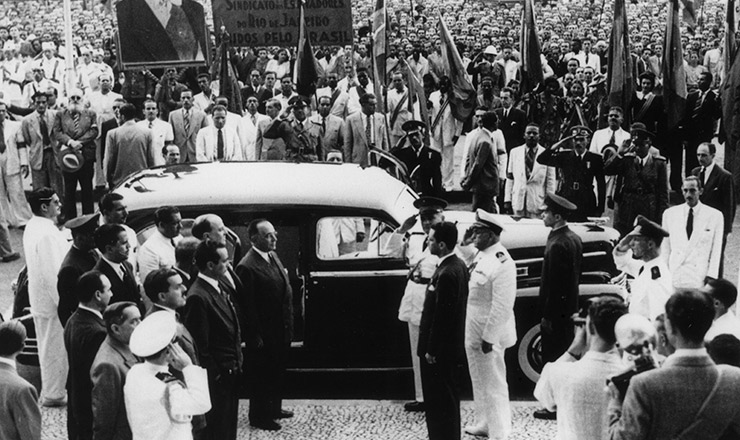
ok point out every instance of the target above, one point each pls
(544, 414)
(267, 425)
(284, 414)
(12, 257)
(414, 406)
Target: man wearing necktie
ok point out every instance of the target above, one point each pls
(186, 123)
(702, 111)
(43, 151)
(361, 126)
(218, 142)
(304, 144)
(162, 133)
(694, 248)
(329, 127)
(112, 242)
(159, 249)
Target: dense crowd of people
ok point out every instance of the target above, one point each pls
(114, 348)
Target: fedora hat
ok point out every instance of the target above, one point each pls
(72, 159)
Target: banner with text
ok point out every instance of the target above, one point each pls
(276, 22)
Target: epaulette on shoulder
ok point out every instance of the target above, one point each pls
(660, 158)
(501, 257)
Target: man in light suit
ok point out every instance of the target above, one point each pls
(272, 135)
(43, 150)
(218, 142)
(398, 107)
(665, 403)
(186, 122)
(212, 320)
(338, 98)
(161, 131)
(329, 127)
(13, 163)
(694, 248)
(128, 148)
(364, 130)
(528, 181)
(268, 288)
(108, 372)
(20, 417)
(249, 126)
(444, 130)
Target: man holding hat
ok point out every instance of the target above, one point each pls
(81, 258)
(303, 144)
(159, 406)
(423, 164)
(490, 327)
(638, 255)
(578, 169)
(644, 180)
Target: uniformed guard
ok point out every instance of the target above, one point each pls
(422, 163)
(577, 169)
(160, 407)
(490, 327)
(644, 181)
(638, 255)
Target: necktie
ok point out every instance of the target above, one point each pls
(151, 124)
(529, 160)
(76, 119)
(186, 121)
(220, 145)
(613, 139)
(690, 223)
(369, 130)
(254, 120)
(44, 130)
(300, 125)
(587, 58)
(3, 147)
(323, 127)
(702, 176)
(506, 113)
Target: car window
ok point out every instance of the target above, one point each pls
(340, 238)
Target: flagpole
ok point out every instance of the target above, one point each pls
(68, 59)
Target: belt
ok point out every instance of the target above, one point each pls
(422, 280)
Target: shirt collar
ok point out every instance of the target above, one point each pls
(707, 171)
(6, 361)
(209, 280)
(95, 312)
(264, 255)
(689, 352)
(116, 266)
(445, 257)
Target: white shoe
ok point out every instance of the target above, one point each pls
(476, 430)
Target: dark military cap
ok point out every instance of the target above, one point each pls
(484, 219)
(559, 204)
(640, 131)
(647, 75)
(298, 101)
(581, 130)
(430, 205)
(89, 221)
(413, 126)
(648, 228)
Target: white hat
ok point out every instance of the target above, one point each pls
(153, 334)
(10, 45)
(47, 45)
(490, 50)
(484, 219)
(85, 49)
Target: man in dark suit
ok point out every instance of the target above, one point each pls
(20, 417)
(719, 190)
(511, 121)
(145, 38)
(112, 242)
(647, 107)
(77, 128)
(702, 111)
(424, 165)
(84, 333)
(266, 91)
(481, 166)
(689, 396)
(578, 169)
(212, 320)
(81, 258)
(442, 334)
(267, 287)
(108, 372)
(110, 125)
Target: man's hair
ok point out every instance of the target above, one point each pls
(185, 250)
(289, 77)
(185, 90)
(489, 118)
(207, 252)
(274, 102)
(725, 349)
(604, 313)
(712, 148)
(165, 147)
(157, 282)
(617, 108)
(38, 197)
(12, 338)
(219, 108)
(39, 94)
(445, 232)
(106, 202)
(204, 75)
(709, 75)
(149, 101)
(723, 291)
(252, 229)
(508, 90)
(691, 312)
(364, 99)
(201, 226)
(113, 314)
(693, 179)
(328, 98)
(270, 72)
(533, 124)
(87, 284)
(127, 112)
(165, 213)
(107, 235)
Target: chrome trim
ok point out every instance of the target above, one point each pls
(343, 370)
(358, 273)
(535, 260)
(583, 290)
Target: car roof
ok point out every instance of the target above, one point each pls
(268, 183)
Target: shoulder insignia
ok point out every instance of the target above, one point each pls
(655, 272)
(660, 158)
(501, 257)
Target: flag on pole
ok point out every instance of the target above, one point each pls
(619, 82)
(731, 25)
(379, 50)
(531, 69)
(223, 71)
(416, 93)
(689, 13)
(462, 100)
(674, 77)
(306, 70)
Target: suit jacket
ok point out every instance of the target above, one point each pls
(186, 140)
(304, 144)
(512, 126)
(125, 289)
(108, 374)
(206, 145)
(661, 403)
(424, 169)
(263, 94)
(561, 272)
(698, 122)
(83, 335)
(481, 165)
(15, 157)
(576, 181)
(526, 193)
(267, 287)
(719, 193)
(86, 133)
(75, 263)
(690, 260)
(442, 326)
(105, 128)
(34, 140)
(356, 147)
(333, 137)
(273, 136)
(128, 150)
(654, 115)
(212, 321)
(143, 39)
(20, 416)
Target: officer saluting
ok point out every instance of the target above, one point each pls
(160, 407)
(422, 163)
(638, 255)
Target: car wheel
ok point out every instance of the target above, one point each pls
(529, 354)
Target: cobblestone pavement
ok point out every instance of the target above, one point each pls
(347, 420)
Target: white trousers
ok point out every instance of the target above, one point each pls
(448, 166)
(52, 357)
(490, 391)
(415, 361)
(12, 198)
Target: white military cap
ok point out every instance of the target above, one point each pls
(154, 333)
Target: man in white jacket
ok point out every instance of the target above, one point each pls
(527, 181)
